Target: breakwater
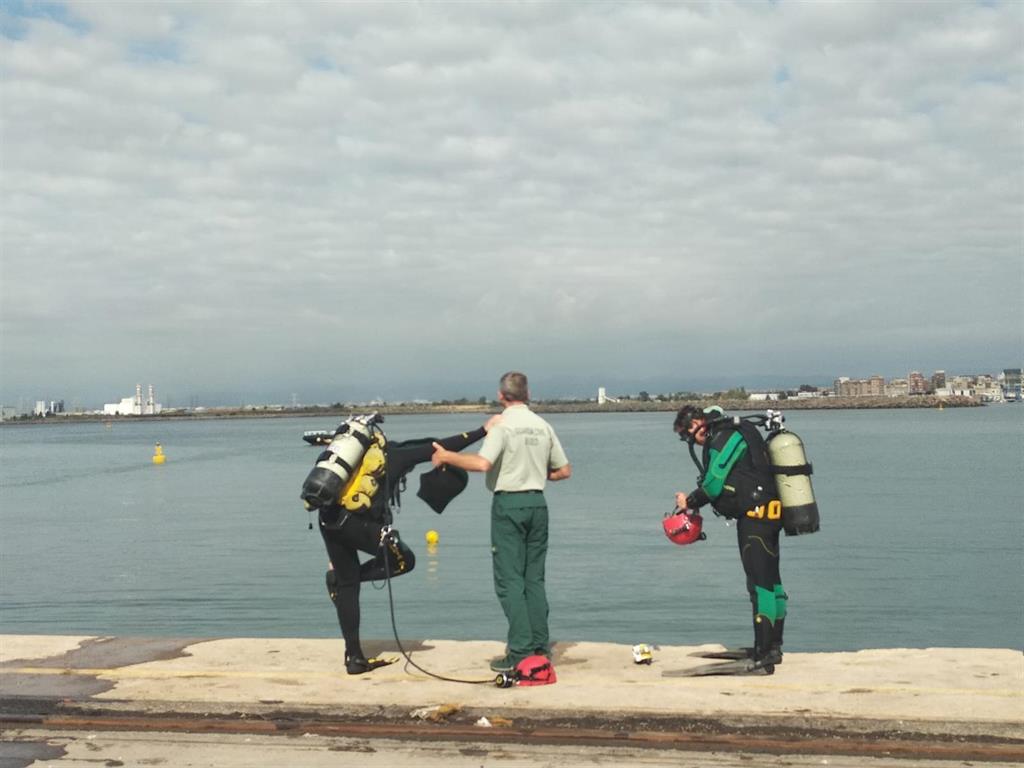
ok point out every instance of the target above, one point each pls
(792, 404)
(542, 406)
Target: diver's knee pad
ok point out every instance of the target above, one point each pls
(410, 557)
(401, 559)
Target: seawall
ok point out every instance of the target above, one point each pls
(940, 703)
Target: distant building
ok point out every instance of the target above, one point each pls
(897, 388)
(603, 398)
(871, 387)
(1011, 383)
(938, 380)
(989, 391)
(917, 384)
(134, 406)
(51, 408)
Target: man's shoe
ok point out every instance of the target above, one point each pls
(504, 663)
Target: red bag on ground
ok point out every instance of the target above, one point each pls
(535, 670)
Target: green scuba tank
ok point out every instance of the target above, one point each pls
(793, 478)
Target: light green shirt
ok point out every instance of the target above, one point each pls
(521, 449)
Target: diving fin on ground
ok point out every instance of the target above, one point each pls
(734, 654)
(742, 668)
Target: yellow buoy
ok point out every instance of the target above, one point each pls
(431, 537)
(158, 454)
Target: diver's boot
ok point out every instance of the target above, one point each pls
(765, 654)
(357, 665)
(776, 644)
(781, 606)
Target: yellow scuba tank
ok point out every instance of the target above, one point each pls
(793, 478)
(341, 461)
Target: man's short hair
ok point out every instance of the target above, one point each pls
(686, 416)
(513, 386)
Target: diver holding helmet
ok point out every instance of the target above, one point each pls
(354, 486)
(737, 480)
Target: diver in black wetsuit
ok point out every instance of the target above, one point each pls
(736, 479)
(360, 522)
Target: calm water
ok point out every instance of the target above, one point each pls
(920, 542)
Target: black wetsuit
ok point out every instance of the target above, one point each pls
(737, 480)
(346, 533)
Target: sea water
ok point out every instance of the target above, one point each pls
(920, 540)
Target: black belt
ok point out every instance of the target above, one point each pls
(502, 493)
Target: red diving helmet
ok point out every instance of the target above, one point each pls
(683, 527)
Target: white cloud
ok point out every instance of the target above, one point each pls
(219, 189)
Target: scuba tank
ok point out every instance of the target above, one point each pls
(340, 462)
(792, 476)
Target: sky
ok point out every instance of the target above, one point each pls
(272, 202)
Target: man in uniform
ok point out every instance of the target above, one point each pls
(519, 454)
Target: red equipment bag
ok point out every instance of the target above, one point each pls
(535, 670)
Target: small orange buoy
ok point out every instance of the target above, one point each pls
(158, 454)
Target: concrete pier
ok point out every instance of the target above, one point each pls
(908, 706)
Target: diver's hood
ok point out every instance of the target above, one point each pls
(442, 484)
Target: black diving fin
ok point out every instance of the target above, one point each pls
(734, 654)
(739, 668)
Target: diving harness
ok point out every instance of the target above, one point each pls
(787, 462)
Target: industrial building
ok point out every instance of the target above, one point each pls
(134, 406)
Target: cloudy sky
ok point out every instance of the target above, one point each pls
(332, 201)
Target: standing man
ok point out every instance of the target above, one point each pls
(736, 479)
(519, 454)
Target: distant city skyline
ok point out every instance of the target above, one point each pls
(348, 201)
(168, 401)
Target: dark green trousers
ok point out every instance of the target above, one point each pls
(519, 548)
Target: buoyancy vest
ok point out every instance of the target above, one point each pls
(359, 493)
(737, 474)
